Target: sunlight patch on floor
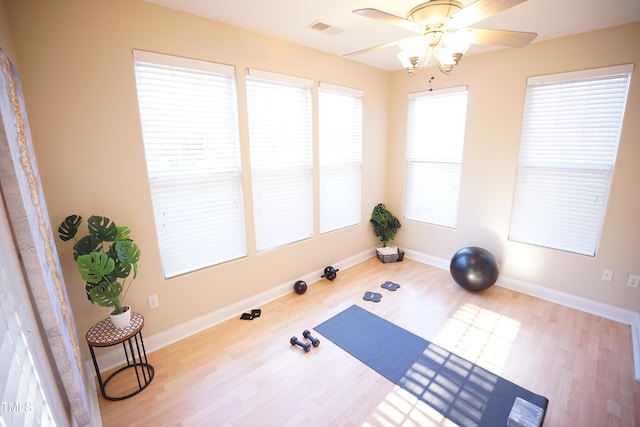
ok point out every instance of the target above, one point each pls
(479, 335)
(401, 408)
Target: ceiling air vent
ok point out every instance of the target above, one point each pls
(324, 28)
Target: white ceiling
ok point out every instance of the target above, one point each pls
(289, 20)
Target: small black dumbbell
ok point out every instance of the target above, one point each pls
(300, 287)
(295, 341)
(314, 341)
(330, 273)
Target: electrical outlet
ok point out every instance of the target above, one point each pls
(607, 275)
(153, 301)
(633, 281)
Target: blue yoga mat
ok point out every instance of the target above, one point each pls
(458, 389)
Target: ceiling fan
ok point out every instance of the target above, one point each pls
(443, 31)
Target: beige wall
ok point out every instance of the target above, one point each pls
(6, 42)
(76, 64)
(496, 82)
(76, 67)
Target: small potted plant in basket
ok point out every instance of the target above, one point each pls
(385, 226)
(105, 258)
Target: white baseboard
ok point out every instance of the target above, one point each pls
(427, 259)
(607, 311)
(635, 335)
(94, 405)
(579, 303)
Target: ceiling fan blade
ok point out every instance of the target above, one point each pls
(371, 49)
(390, 19)
(502, 38)
(479, 11)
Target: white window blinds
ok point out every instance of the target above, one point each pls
(340, 132)
(26, 381)
(190, 128)
(280, 140)
(570, 133)
(435, 139)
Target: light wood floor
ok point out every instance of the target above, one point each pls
(245, 373)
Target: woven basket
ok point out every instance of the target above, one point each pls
(399, 256)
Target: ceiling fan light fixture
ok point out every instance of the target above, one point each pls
(414, 54)
(444, 68)
(458, 41)
(434, 12)
(413, 64)
(409, 63)
(413, 46)
(446, 59)
(447, 49)
(437, 21)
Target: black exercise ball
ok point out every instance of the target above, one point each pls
(475, 269)
(300, 287)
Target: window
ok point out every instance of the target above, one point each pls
(570, 133)
(340, 129)
(190, 128)
(280, 141)
(435, 137)
(27, 380)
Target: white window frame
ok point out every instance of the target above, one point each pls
(570, 135)
(435, 143)
(281, 156)
(189, 119)
(340, 156)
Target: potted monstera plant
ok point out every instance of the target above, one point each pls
(105, 257)
(385, 226)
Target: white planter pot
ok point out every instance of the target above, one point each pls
(121, 320)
